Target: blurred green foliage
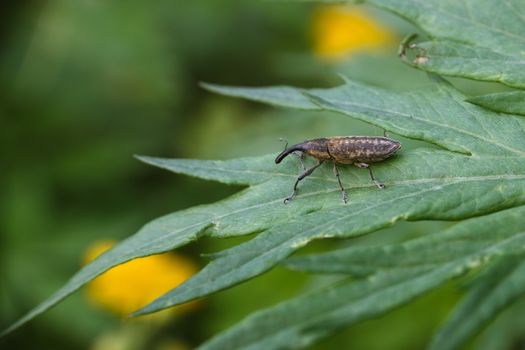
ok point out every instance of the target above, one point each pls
(87, 84)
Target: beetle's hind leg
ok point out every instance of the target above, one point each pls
(379, 184)
(343, 192)
(306, 173)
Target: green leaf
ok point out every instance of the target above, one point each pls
(284, 96)
(474, 39)
(479, 170)
(396, 274)
(247, 171)
(506, 102)
(423, 184)
(436, 115)
(505, 331)
(466, 239)
(488, 175)
(301, 321)
(502, 284)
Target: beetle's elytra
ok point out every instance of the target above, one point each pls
(357, 150)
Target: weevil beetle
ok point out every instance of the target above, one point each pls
(357, 150)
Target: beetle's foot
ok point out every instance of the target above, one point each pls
(345, 197)
(379, 185)
(289, 198)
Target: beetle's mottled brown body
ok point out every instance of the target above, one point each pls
(357, 150)
(346, 149)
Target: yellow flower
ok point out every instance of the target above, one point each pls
(128, 287)
(339, 31)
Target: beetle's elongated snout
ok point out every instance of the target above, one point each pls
(287, 151)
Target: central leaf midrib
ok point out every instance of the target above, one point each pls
(447, 181)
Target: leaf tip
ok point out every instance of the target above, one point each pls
(210, 87)
(13, 327)
(5, 332)
(140, 157)
(147, 309)
(146, 159)
(137, 313)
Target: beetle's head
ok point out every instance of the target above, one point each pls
(288, 151)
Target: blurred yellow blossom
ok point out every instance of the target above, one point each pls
(129, 286)
(341, 30)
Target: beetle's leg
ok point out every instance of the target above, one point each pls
(379, 184)
(302, 176)
(301, 157)
(343, 192)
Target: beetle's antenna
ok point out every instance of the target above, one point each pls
(285, 141)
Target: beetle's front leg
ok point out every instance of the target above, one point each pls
(301, 157)
(302, 176)
(379, 184)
